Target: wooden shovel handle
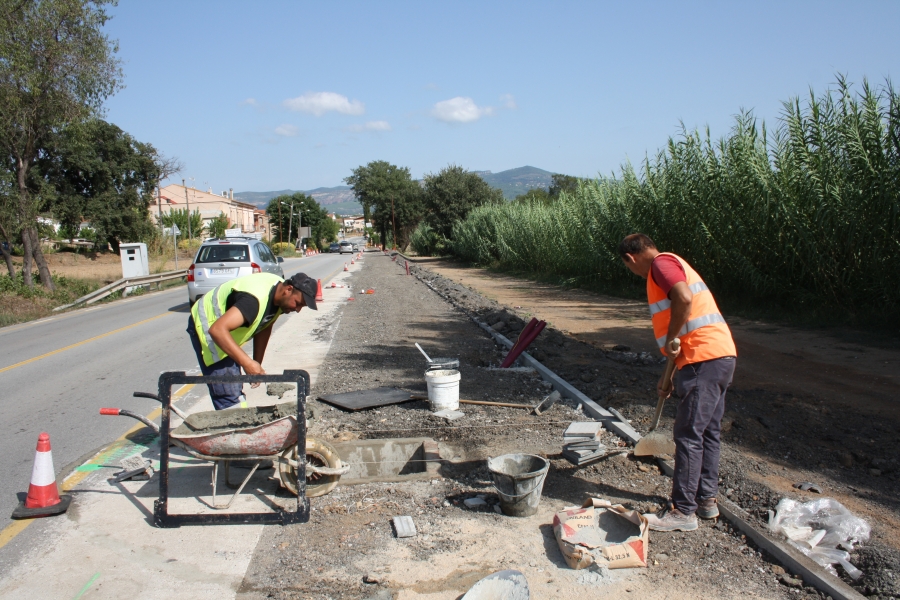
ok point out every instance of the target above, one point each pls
(482, 402)
(667, 376)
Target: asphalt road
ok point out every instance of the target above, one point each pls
(56, 373)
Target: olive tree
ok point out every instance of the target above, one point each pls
(56, 67)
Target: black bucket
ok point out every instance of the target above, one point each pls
(519, 480)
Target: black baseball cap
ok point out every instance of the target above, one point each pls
(307, 286)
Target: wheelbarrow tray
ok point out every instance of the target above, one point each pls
(255, 431)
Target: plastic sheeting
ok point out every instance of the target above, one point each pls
(823, 530)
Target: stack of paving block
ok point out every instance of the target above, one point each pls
(581, 442)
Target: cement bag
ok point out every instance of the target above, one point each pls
(602, 533)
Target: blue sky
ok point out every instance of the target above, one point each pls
(271, 95)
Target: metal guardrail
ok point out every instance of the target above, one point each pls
(115, 286)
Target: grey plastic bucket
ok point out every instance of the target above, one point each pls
(443, 364)
(519, 480)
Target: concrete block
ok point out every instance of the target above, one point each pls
(449, 414)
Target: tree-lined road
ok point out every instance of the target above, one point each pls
(55, 374)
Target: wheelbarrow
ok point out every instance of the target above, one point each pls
(254, 434)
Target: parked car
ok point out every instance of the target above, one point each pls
(346, 247)
(220, 260)
(355, 247)
(334, 247)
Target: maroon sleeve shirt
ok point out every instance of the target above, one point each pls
(666, 272)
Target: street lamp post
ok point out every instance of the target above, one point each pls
(291, 222)
(188, 201)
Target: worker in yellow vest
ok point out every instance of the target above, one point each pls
(234, 313)
(682, 306)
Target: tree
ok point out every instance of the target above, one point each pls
(103, 175)
(535, 195)
(325, 230)
(288, 213)
(9, 225)
(56, 67)
(559, 184)
(389, 197)
(179, 218)
(217, 226)
(452, 193)
(563, 183)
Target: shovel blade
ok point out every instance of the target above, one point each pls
(655, 443)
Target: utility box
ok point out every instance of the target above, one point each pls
(134, 262)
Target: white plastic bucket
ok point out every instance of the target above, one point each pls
(443, 389)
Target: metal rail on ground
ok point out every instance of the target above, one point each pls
(115, 286)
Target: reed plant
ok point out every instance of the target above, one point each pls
(804, 216)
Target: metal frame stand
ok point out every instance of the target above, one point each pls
(161, 515)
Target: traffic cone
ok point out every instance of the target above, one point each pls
(43, 498)
(352, 262)
(319, 296)
(345, 267)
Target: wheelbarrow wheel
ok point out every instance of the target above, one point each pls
(318, 454)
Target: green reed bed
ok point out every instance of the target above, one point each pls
(805, 215)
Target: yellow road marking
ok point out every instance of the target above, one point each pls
(12, 530)
(81, 343)
(17, 527)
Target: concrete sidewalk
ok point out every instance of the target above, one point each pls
(106, 545)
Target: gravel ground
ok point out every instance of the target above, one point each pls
(348, 549)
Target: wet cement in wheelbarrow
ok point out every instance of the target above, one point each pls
(214, 421)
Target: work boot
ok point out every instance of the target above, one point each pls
(671, 519)
(708, 509)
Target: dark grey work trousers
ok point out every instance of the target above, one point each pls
(223, 395)
(698, 425)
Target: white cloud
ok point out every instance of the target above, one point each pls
(460, 110)
(370, 126)
(249, 102)
(319, 103)
(507, 101)
(287, 130)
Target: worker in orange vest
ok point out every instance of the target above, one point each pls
(682, 306)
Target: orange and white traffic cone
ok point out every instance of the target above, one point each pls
(345, 267)
(43, 498)
(319, 296)
(352, 262)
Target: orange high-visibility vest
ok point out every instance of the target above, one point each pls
(705, 336)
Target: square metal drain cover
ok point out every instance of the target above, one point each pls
(362, 399)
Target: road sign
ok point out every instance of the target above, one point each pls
(173, 230)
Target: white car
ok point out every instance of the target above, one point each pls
(219, 260)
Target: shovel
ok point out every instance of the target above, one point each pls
(656, 443)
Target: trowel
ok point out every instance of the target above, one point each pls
(656, 443)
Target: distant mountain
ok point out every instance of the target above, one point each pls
(260, 199)
(517, 181)
(342, 200)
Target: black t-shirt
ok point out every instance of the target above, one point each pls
(249, 306)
